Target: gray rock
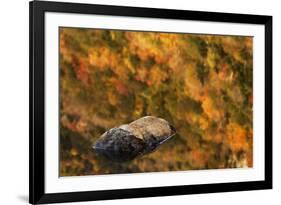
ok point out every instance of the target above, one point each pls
(128, 141)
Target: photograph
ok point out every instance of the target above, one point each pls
(150, 101)
(130, 102)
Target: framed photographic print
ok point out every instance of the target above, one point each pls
(140, 102)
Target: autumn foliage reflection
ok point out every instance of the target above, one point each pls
(202, 84)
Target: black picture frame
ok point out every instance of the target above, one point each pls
(37, 9)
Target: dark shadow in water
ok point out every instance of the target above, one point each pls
(115, 167)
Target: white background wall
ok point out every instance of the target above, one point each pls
(14, 100)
